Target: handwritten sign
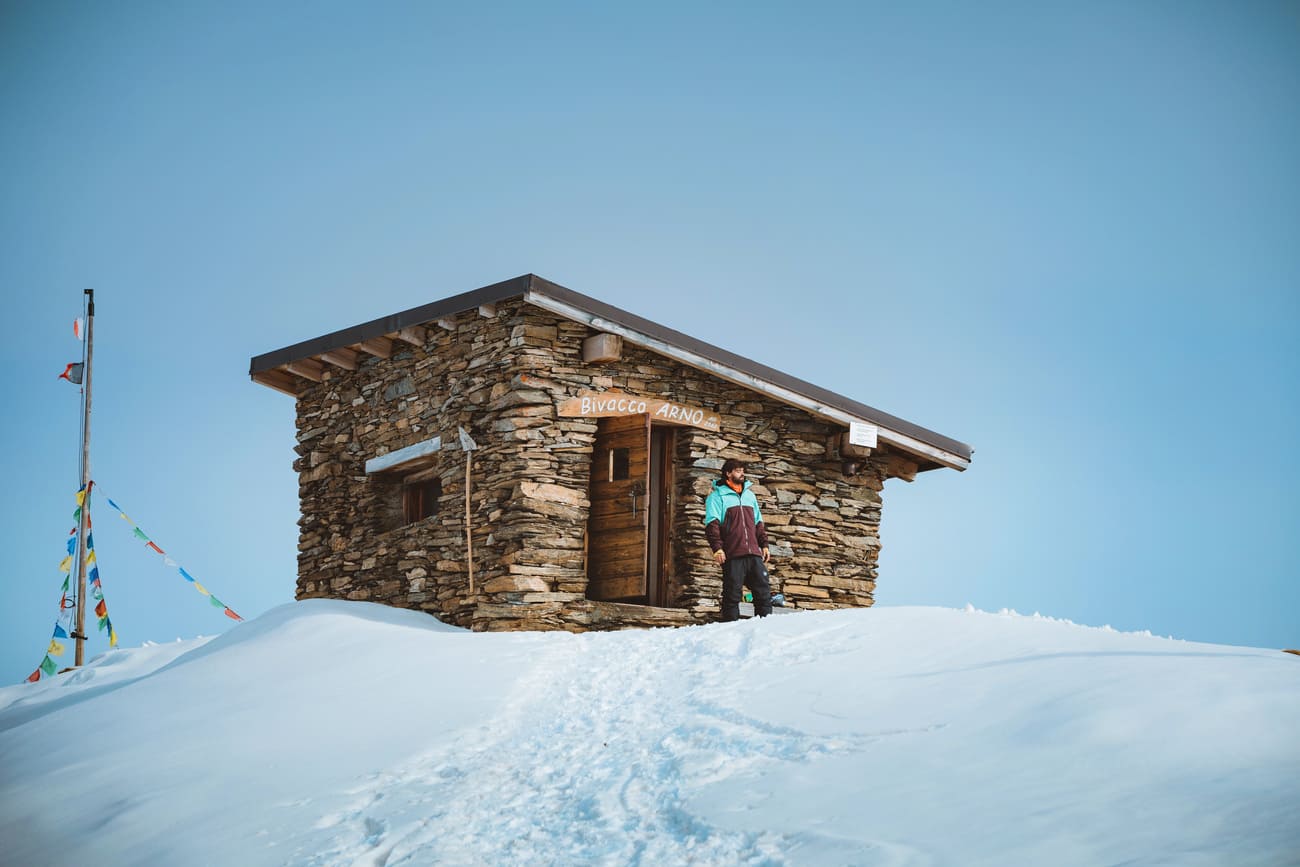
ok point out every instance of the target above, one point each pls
(597, 405)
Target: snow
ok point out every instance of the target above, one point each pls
(329, 732)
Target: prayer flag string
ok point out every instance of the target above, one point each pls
(63, 626)
(150, 544)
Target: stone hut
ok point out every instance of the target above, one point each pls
(526, 457)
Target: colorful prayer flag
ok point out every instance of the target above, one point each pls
(59, 631)
(199, 587)
(72, 544)
(154, 546)
(139, 534)
(115, 506)
(65, 565)
(81, 497)
(72, 373)
(34, 676)
(187, 576)
(76, 514)
(76, 327)
(101, 609)
(112, 636)
(232, 615)
(66, 581)
(170, 562)
(90, 558)
(216, 603)
(55, 648)
(103, 623)
(49, 666)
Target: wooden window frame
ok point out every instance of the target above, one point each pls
(420, 496)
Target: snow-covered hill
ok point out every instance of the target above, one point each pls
(347, 733)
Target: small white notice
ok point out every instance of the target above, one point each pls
(862, 434)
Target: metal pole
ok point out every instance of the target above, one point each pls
(85, 483)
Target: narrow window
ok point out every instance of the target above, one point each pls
(420, 500)
(619, 464)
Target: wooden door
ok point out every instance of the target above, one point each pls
(617, 534)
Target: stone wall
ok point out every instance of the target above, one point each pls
(502, 379)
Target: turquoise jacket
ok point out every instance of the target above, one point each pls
(733, 522)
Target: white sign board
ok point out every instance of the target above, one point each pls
(862, 434)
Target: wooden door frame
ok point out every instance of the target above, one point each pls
(662, 499)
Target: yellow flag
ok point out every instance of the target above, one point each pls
(90, 558)
(125, 518)
(199, 587)
(66, 564)
(55, 649)
(81, 498)
(112, 637)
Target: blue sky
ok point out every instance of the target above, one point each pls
(1067, 235)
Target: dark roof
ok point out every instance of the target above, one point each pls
(541, 288)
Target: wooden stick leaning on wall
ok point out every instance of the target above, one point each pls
(469, 532)
(467, 443)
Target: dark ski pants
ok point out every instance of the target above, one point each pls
(745, 571)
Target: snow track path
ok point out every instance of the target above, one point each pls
(587, 762)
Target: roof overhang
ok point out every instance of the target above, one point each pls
(285, 368)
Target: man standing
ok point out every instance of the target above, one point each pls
(734, 527)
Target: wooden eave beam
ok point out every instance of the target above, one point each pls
(412, 334)
(900, 467)
(379, 347)
(307, 368)
(285, 383)
(344, 358)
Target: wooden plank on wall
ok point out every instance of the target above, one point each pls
(619, 405)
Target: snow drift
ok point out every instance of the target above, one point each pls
(346, 733)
